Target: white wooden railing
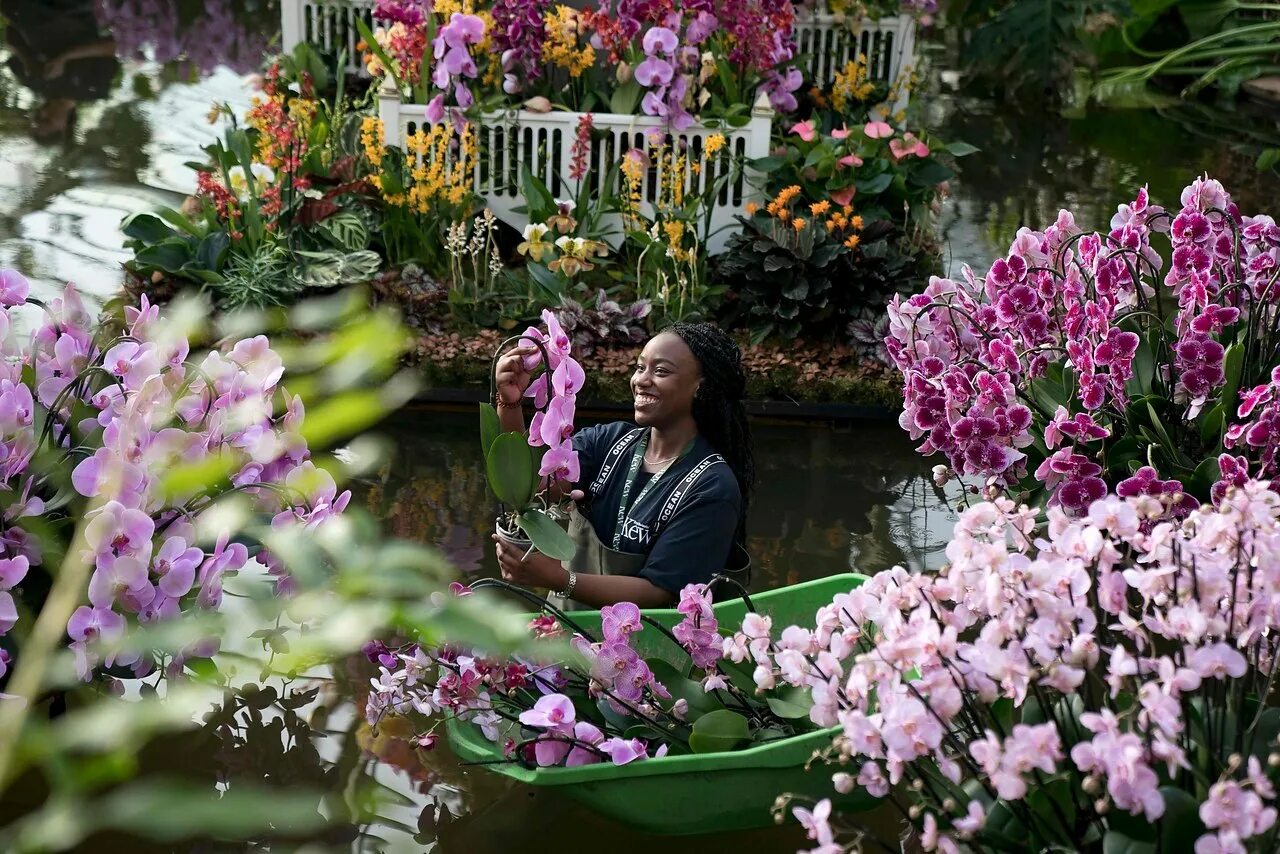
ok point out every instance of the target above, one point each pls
(828, 39)
(512, 140)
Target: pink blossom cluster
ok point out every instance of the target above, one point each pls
(555, 394)
(699, 631)
(454, 64)
(1133, 657)
(129, 410)
(1053, 331)
(497, 695)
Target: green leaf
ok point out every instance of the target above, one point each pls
(212, 251)
(625, 98)
(549, 538)
(1232, 365)
(876, 184)
(719, 731)
(681, 687)
(490, 427)
(539, 199)
(766, 164)
(169, 256)
(1116, 842)
(1268, 159)
(1211, 424)
(508, 466)
(146, 228)
(791, 703)
(1181, 822)
(961, 149)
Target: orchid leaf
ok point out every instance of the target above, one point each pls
(1211, 424)
(549, 538)
(1181, 819)
(719, 731)
(490, 427)
(791, 704)
(1116, 842)
(625, 98)
(1232, 366)
(508, 465)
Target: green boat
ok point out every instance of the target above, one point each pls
(693, 793)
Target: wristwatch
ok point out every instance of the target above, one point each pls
(567, 593)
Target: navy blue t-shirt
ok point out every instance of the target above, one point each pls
(687, 536)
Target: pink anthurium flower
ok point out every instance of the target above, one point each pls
(878, 130)
(805, 131)
(841, 132)
(850, 160)
(844, 195)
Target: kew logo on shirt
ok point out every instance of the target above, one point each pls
(636, 532)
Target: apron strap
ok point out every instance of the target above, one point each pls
(682, 489)
(612, 458)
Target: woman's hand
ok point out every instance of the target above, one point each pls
(511, 376)
(536, 570)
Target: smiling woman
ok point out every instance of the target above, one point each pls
(665, 497)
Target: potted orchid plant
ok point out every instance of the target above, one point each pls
(531, 473)
(1084, 361)
(628, 710)
(1105, 686)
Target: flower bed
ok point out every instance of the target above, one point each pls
(829, 39)
(508, 143)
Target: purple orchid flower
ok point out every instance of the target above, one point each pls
(175, 565)
(552, 711)
(14, 287)
(89, 624)
(12, 571)
(561, 463)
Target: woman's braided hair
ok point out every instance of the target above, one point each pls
(717, 406)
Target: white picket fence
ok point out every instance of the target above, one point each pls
(829, 40)
(512, 140)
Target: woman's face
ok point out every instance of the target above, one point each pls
(666, 377)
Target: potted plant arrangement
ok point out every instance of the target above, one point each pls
(633, 712)
(530, 473)
(1084, 361)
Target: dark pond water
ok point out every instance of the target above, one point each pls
(77, 157)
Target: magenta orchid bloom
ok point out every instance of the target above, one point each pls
(588, 733)
(622, 750)
(553, 712)
(561, 463)
(567, 378)
(618, 622)
(556, 425)
(89, 624)
(12, 571)
(14, 287)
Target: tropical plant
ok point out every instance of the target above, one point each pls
(1031, 47)
(1074, 366)
(1223, 44)
(795, 270)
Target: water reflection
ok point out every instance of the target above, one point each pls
(827, 501)
(1034, 163)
